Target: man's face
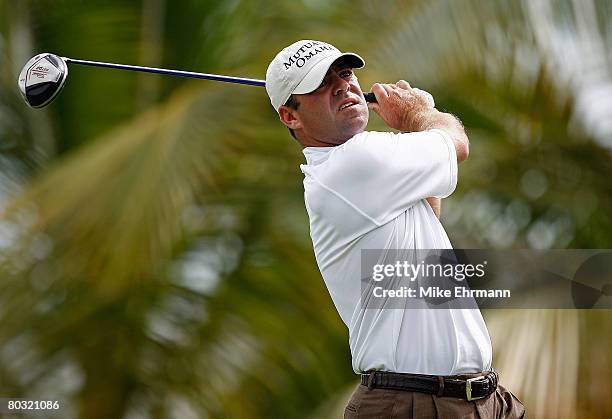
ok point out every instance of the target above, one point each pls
(331, 114)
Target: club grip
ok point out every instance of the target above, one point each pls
(369, 97)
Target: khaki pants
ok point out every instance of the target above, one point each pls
(379, 403)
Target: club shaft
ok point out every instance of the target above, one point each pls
(205, 76)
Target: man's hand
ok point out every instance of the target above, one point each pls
(400, 106)
(406, 109)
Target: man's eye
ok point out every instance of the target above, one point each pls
(346, 74)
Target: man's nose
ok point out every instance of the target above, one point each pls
(340, 85)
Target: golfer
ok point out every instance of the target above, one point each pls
(382, 190)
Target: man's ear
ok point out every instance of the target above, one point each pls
(289, 117)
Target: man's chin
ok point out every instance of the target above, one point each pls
(356, 125)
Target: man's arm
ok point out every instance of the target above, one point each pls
(405, 109)
(436, 205)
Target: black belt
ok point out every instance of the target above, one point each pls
(460, 386)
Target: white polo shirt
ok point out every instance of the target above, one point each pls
(369, 193)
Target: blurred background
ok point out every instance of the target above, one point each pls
(155, 260)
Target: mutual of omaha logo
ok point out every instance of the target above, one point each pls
(306, 52)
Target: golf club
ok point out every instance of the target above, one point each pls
(44, 76)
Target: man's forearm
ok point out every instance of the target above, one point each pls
(436, 205)
(434, 119)
(405, 109)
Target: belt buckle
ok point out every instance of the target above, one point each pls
(468, 388)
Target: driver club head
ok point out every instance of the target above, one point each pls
(42, 78)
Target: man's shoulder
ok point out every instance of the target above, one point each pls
(366, 139)
(371, 135)
(379, 137)
(357, 154)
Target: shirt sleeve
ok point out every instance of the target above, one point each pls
(382, 174)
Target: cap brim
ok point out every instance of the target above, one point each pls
(315, 76)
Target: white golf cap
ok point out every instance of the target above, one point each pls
(301, 67)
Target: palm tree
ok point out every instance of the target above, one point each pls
(162, 268)
(525, 78)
